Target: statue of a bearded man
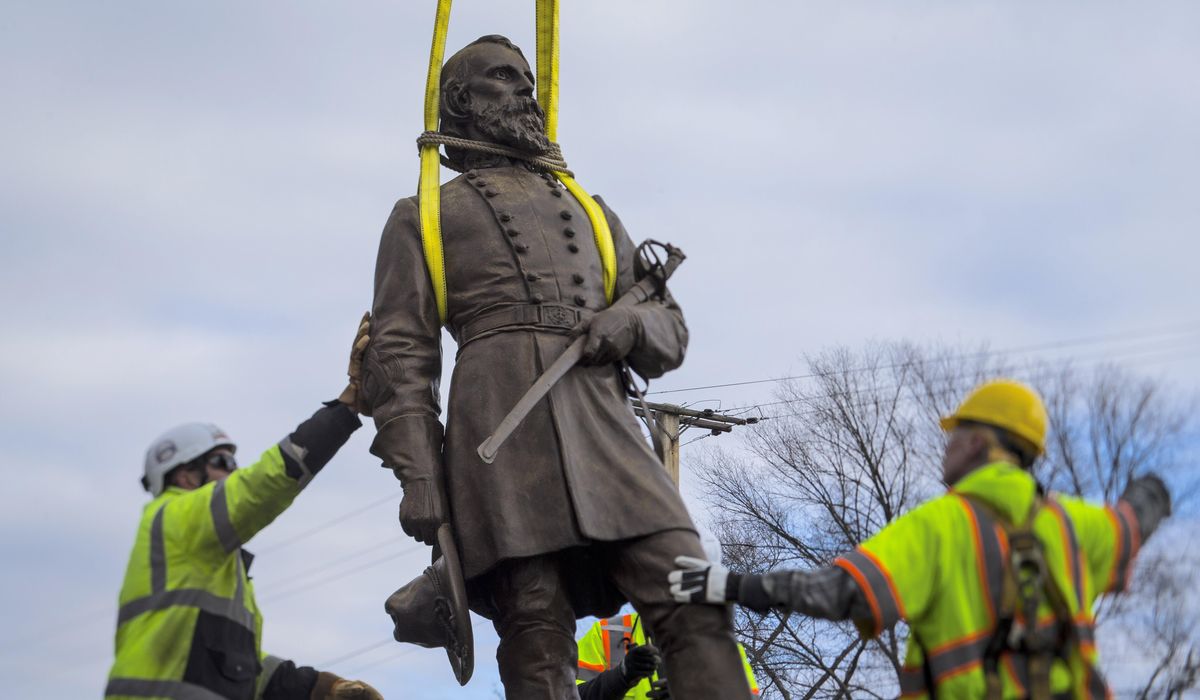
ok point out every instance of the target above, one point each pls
(576, 515)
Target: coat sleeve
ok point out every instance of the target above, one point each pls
(1110, 536)
(403, 364)
(252, 497)
(663, 338)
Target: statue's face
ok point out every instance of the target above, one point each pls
(497, 93)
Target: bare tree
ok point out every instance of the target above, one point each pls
(860, 445)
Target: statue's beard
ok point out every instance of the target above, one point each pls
(516, 123)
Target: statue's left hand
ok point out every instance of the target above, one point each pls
(611, 335)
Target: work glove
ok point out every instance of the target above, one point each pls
(611, 335)
(639, 662)
(352, 394)
(333, 687)
(422, 509)
(659, 690)
(702, 581)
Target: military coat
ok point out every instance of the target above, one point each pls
(522, 267)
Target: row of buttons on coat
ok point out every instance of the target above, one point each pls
(505, 217)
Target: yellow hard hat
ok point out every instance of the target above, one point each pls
(1005, 404)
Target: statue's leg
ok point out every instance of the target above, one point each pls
(697, 640)
(537, 653)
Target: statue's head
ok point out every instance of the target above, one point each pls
(487, 95)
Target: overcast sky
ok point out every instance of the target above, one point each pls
(191, 196)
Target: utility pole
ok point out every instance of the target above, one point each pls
(672, 420)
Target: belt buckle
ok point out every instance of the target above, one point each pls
(560, 316)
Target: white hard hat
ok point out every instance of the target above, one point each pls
(177, 446)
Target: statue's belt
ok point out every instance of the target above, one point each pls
(556, 317)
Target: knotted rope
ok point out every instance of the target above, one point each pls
(551, 161)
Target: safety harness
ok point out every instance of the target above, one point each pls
(1026, 582)
(429, 189)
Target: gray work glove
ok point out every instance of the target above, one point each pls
(659, 690)
(611, 335)
(422, 509)
(640, 662)
(352, 394)
(702, 581)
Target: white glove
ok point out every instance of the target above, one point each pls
(701, 581)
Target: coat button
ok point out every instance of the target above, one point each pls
(538, 297)
(505, 217)
(471, 174)
(521, 247)
(481, 183)
(566, 215)
(533, 276)
(513, 232)
(580, 301)
(556, 193)
(572, 247)
(491, 193)
(569, 232)
(577, 278)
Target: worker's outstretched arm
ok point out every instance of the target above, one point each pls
(828, 593)
(402, 370)
(609, 685)
(252, 497)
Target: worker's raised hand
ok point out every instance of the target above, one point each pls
(639, 662)
(352, 394)
(702, 581)
(422, 509)
(611, 335)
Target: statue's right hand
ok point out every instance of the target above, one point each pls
(422, 510)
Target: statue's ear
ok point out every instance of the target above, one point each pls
(456, 101)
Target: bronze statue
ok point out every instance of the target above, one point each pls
(576, 514)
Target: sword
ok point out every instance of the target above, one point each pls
(658, 272)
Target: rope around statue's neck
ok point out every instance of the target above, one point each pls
(551, 161)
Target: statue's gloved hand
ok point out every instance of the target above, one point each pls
(352, 394)
(702, 581)
(422, 509)
(333, 687)
(659, 690)
(639, 662)
(611, 335)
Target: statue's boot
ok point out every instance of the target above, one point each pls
(431, 611)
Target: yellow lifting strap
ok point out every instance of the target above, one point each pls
(429, 190)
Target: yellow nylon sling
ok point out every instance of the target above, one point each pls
(429, 188)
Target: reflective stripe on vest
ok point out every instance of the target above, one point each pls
(876, 584)
(1128, 541)
(614, 644)
(160, 598)
(143, 688)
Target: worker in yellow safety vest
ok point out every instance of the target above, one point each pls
(996, 579)
(188, 627)
(617, 660)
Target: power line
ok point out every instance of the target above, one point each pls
(910, 398)
(279, 595)
(1090, 340)
(334, 521)
(1031, 364)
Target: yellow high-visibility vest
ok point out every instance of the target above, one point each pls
(188, 625)
(940, 568)
(604, 645)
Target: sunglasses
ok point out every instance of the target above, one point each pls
(221, 460)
